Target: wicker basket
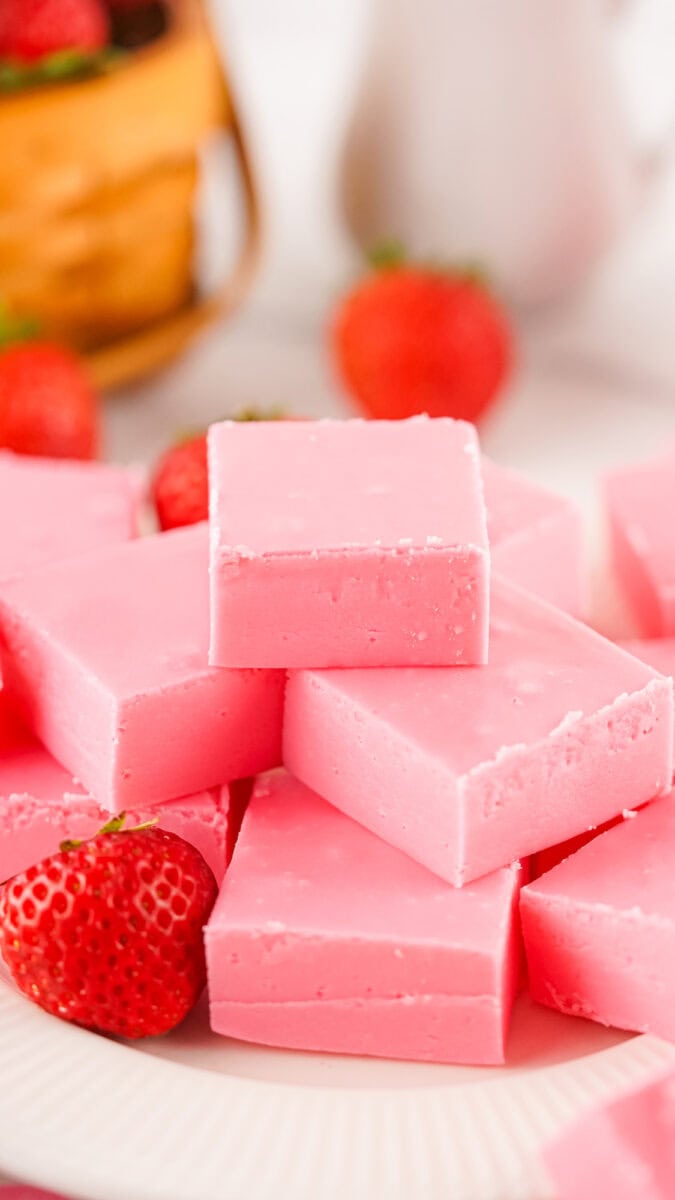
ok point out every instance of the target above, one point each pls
(97, 194)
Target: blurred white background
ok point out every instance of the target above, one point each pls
(596, 379)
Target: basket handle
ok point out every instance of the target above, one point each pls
(140, 354)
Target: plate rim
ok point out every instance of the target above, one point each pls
(479, 1137)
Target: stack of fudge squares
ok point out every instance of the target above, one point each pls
(378, 630)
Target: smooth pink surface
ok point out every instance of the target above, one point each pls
(624, 1150)
(466, 769)
(536, 538)
(41, 806)
(366, 540)
(600, 927)
(325, 938)
(50, 510)
(639, 502)
(106, 659)
(658, 652)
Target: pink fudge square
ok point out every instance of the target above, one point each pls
(105, 657)
(347, 543)
(600, 927)
(623, 1150)
(51, 510)
(468, 769)
(325, 938)
(536, 538)
(639, 502)
(658, 652)
(41, 805)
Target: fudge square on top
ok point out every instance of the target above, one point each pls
(105, 657)
(347, 543)
(325, 938)
(467, 769)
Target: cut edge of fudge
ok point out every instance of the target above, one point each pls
(325, 748)
(637, 713)
(202, 820)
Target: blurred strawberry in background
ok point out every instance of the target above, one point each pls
(47, 403)
(180, 484)
(410, 338)
(34, 29)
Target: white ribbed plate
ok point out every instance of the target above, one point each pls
(195, 1117)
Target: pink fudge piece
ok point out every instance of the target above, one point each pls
(639, 502)
(624, 1149)
(469, 769)
(52, 510)
(347, 543)
(659, 653)
(600, 927)
(325, 938)
(546, 860)
(106, 659)
(41, 805)
(536, 538)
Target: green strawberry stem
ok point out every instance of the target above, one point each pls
(16, 329)
(114, 825)
(260, 414)
(63, 65)
(390, 255)
(387, 255)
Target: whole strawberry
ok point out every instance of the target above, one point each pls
(47, 404)
(410, 339)
(35, 29)
(180, 484)
(108, 933)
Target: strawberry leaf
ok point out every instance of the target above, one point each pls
(260, 414)
(55, 68)
(16, 328)
(387, 255)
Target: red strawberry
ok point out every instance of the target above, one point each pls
(180, 484)
(409, 339)
(47, 404)
(34, 29)
(108, 933)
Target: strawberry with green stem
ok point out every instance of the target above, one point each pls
(411, 338)
(107, 933)
(48, 405)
